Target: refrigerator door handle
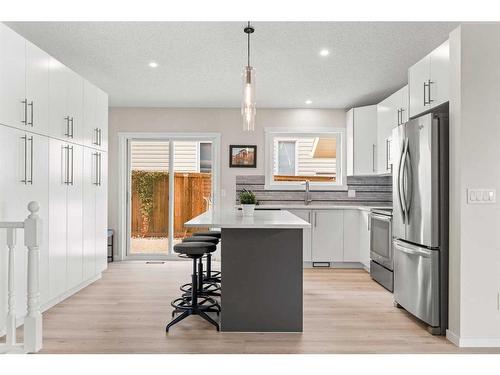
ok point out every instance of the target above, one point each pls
(408, 182)
(412, 250)
(400, 187)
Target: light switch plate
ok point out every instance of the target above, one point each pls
(351, 193)
(481, 196)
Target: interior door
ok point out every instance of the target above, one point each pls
(422, 175)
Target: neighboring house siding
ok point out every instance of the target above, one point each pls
(154, 156)
(306, 164)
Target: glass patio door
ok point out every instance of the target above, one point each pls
(170, 182)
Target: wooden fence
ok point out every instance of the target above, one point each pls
(190, 189)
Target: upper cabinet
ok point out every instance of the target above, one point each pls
(361, 140)
(391, 112)
(41, 95)
(13, 105)
(429, 81)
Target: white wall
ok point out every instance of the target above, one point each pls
(474, 163)
(227, 122)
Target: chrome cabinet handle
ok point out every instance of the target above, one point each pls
(72, 126)
(25, 139)
(96, 167)
(66, 169)
(429, 83)
(30, 181)
(399, 116)
(99, 133)
(72, 165)
(96, 137)
(386, 154)
(31, 105)
(425, 91)
(100, 169)
(25, 110)
(68, 133)
(309, 217)
(315, 219)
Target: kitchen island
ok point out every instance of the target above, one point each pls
(261, 264)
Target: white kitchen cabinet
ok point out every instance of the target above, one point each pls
(12, 78)
(95, 114)
(391, 112)
(24, 178)
(306, 237)
(65, 103)
(352, 251)
(327, 236)
(37, 88)
(429, 81)
(361, 137)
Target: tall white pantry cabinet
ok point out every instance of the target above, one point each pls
(53, 149)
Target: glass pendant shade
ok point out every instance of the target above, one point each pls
(248, 104)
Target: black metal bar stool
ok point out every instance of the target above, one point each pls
(209, 275)
(196, 304)
(205, 286)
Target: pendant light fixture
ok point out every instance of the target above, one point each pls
(248, 102)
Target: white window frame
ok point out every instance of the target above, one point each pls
(296, 145)
(271, 133)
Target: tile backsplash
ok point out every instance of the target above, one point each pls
(370, 191)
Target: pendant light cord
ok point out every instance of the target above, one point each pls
(248, 51)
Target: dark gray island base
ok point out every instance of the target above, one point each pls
(262, 280)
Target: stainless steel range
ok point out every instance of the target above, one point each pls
(381, 250)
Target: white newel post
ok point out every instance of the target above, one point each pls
(10, 338)
(33, 320)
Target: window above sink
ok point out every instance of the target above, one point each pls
(294, 157)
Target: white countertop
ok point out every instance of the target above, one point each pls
(232, 218)
(318, 207)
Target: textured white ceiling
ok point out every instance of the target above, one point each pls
(200, 63)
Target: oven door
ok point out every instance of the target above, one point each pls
(381, 250)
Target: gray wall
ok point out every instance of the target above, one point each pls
(227, 122)
(474, 163)
(370, 190)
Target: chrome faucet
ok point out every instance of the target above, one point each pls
(307, 196)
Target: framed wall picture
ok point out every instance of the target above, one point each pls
(242, 156)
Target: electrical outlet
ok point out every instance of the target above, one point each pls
(351, 193)
(481, 196)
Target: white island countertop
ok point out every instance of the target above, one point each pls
(231, 218)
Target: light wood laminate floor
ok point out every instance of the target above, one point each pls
(126, 312)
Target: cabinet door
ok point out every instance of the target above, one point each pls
(364, 238)
(440, 75)
(89, 114)
(306, 236)
(349, 132)
(75, 217)
(387, 118)
(365, 140)
(418, 79)
(75, 105)
(12, 78)
(37, 88)
(351, 236)
(89, 181)
(101, 222)
(58, 177)
(12, 208)
(102, 119)
(327, 237)
(37, 189)
(58, 100)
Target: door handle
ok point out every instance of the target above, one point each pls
(399, 116)
(99, 132)
(100, 168)
(402, 202)
(66, 169)
(386, 154)
(72, 165)
(315, 219)
(429, 91)
(96, 137)
(31, 105)
(425, 92)
(25, 111)
(25, 139)
(309, 217)
(408, 181)
(72, 127)
(408, 249)
(402, 111)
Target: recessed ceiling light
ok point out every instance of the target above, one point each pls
(153, 64)
(309, 101)
(324, 52)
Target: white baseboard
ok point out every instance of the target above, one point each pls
(473, 342)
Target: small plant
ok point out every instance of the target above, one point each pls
(247, 197)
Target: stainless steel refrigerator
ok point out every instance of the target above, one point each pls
(420, 218)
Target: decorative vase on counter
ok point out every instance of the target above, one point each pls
(248, 202)
(248, 209)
